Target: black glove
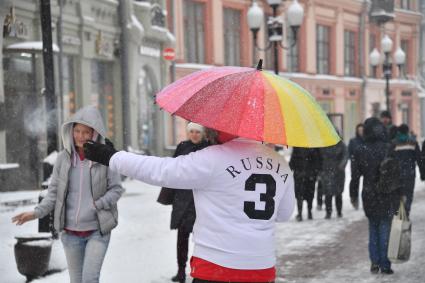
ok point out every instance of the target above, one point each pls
(98, 152)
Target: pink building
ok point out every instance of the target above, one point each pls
(330, 59)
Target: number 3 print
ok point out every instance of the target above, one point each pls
(268, 197)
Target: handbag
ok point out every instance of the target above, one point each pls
(400, 237)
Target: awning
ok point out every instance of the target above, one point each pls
(30, 47)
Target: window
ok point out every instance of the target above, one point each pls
(102, 92)
(322, 49)
(292, 52)
(405, 4)
(350, 54)
(404, 44)
(326, 105)
(232, 31)
(405, 113)
(372, 45)
(194, 26)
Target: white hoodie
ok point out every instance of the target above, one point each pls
(240, 189)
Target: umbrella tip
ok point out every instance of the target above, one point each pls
(260, 65)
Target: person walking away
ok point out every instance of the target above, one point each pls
(84, 196)
(305, 163)
(407, 152)
(334, 160)
(387, 121)
(353, 145)
(241, 188)
(379, 206)
(183, 213)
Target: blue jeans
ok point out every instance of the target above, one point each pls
(85, 255)
(379, 234)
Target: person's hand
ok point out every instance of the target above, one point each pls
(23, 217)
(98, 152)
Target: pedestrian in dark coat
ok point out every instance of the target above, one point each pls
(183, 214)
(379, 207)
(332, 176)
(407, 152)
(306, 163)
(353, 145)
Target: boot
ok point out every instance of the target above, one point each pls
(310, 215)
(387, 271)
(180, 276)
(328, 215)
(299, 217)
(374, 268)
(339, 214)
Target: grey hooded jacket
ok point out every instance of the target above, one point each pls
(105, 185)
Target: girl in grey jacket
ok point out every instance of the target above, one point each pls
(84, 196)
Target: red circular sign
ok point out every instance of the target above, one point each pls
(169, 54)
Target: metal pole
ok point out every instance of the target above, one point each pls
(387, 93)
(173, 71)
(49, 79)
(275, 46)
(125, 81)
(387, 73)
(60, 66)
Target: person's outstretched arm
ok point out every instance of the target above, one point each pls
(192, 171)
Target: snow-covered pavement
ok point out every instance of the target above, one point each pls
(142, 247)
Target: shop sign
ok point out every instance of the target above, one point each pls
(150, 51)
(71, 40)
(14, 28)
(103, 47)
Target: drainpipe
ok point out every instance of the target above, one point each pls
(60, 71)
(49, 74)
(362, 58)
(125, 80)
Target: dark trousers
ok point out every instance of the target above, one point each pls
(379, 234)
(319, 193)
(304, 190)
(205, 281)
(407, 188)
(338, 203)
(182, 247)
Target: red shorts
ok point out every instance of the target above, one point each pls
(206, 270)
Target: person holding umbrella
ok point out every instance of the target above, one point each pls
(241, 186)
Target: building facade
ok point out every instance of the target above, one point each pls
(330, 59)
(91, 72)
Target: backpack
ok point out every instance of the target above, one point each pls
(389, 175)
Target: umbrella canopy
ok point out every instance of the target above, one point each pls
(250, 103)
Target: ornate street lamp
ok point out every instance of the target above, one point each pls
(255, 17)
(387, 65)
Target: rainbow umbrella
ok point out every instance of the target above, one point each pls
(250, 103)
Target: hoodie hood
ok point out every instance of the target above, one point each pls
(374, 130)
(89, 116)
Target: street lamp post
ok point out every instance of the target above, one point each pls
(255, 17)
(387, 65)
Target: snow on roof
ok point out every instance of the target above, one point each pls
(193, 66)
(4, 166)
(135, 22)
(30, 46)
